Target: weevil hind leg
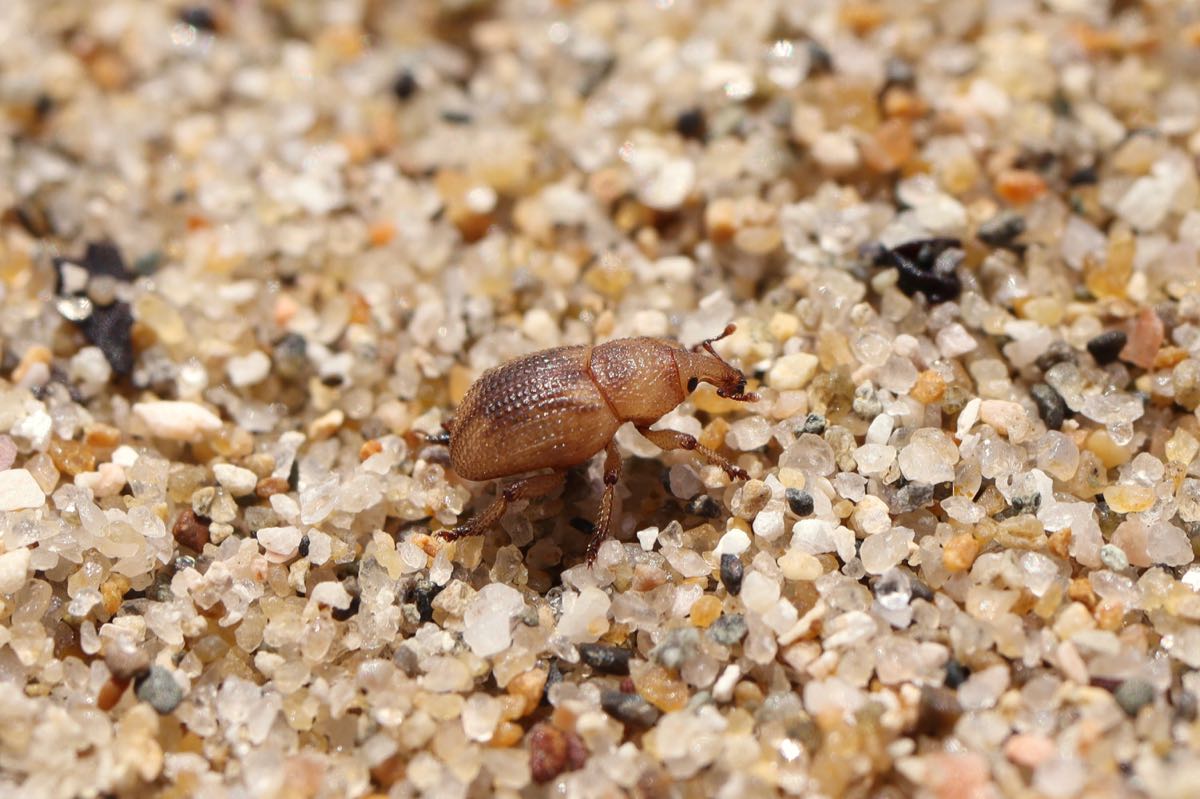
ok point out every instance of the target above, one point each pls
(612, 475)
(673, 439)
(539, 485)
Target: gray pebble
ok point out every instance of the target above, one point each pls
(1057, 352)
(677, 647)
(291, 355)
(911, 496)
(629, 708)
(1132, 694)
(1050, 405)
(160, 690)
(728, 630)
(1002, 229)
(1030, 503)
(1107, 346)
(799, 502)
(1114, 557)
(605, 659)
(704, 506)
(732, 572)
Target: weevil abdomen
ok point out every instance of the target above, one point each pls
(539, 411)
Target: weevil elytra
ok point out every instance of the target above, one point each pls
(555, 409)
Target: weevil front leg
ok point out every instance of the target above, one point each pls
(673, 439)
(612, 475)
(539, 485)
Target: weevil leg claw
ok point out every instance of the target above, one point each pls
(440, 437)
(455, 533)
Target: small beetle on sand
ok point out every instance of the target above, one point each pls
(557, 408)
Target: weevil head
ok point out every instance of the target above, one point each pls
(702, 364)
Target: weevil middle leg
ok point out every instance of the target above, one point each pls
(673, 439)
(539, 485)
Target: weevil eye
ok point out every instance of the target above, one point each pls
(692, 383)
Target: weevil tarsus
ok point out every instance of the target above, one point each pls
(538, 485)
(612, 476)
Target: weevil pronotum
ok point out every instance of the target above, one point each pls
(555, 409)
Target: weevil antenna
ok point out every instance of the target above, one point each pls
(707, 344)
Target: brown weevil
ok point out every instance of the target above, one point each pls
(555, 409)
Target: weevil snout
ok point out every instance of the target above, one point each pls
(738, 392)
(704, 365)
